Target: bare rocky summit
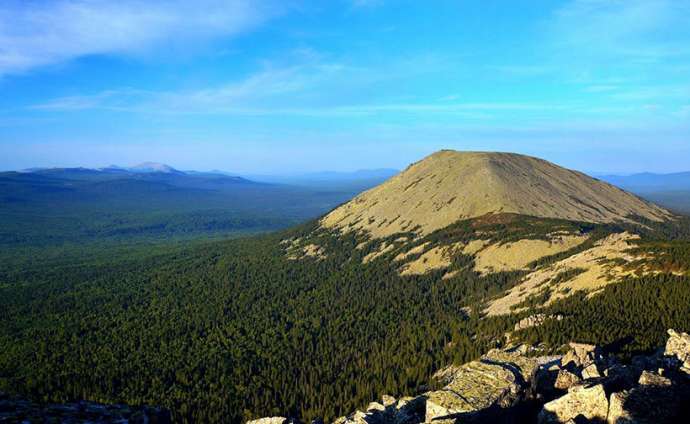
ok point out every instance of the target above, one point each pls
(449, 186)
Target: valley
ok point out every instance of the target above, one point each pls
(51, 207)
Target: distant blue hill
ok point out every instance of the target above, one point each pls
(155, 201)
(669, 190)
(650, 182)
(147, 170)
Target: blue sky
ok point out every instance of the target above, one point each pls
(261, 86)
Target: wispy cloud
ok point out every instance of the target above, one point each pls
(295, 90)
(660, 91)
(34, 34)
(525, 70)
(235, 100)
(250, 93)
(111, 99)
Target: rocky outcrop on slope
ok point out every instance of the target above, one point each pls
(270, 420)
(535, 321)
(514, 386)
(19, 410)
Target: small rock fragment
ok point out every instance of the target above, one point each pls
(566, 380)
(651, 379)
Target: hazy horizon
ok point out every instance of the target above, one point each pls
(298, 172)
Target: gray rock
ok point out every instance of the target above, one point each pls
(678, 347)
(566, 380)
(617, 411)
(269, 420)
(648, 404)
(651, 379)
(580, 356)
(388, 400)
(591, 371)
(535, 321)
(589, 402)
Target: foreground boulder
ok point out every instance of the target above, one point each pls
(475, 387)
(587, 402)
(485, 389)
(407, 410)
(650, 404)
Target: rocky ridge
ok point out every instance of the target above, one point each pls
(516, 385)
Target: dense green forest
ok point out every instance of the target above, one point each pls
(231, 330)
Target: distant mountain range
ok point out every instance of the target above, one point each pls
(640, 182)
(669, 190)
(309, 178)
(154, 200)
(650, 182)
(142, 168)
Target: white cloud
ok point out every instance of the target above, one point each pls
(34, 34)
(111, 98)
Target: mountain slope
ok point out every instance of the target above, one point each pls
(449, 186)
